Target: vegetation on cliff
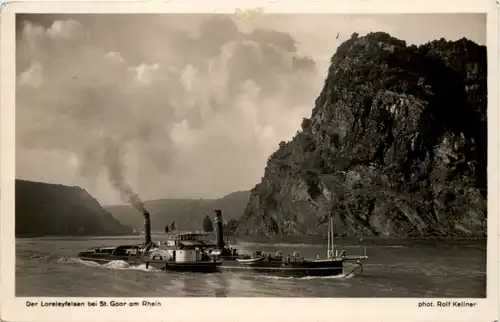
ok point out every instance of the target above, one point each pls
(44, 209)
(396, 146)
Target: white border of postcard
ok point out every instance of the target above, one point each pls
(240, 309)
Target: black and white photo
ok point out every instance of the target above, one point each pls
(251, 155)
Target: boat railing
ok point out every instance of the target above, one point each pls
(343, 254)
(101, 250)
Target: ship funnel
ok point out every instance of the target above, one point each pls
(219, 227)
(147, 228)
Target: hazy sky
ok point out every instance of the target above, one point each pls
(194, 105)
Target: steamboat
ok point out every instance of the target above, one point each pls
(181, 255)
(195, 252)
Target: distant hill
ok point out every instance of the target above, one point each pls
(187, 213)
(44, 209)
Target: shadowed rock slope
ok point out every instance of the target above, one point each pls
(44, 209)
(395, 146)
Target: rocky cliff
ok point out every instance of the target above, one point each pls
(395, 146)
(44, 209)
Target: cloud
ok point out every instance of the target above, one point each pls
(33, 76)
(200, 113)
(66, 29)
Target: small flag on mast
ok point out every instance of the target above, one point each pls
(170, 227)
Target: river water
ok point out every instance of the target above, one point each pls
(48, 267)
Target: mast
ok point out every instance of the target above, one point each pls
(147, 228)
(281, 230)
(219, 224)
(328, 251)
(333, 235)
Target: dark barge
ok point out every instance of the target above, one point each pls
(284, 265)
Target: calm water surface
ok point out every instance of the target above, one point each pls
(49, 267)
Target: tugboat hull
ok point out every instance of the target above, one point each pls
(197, 267)
(290, 269)
(202, 266)
(104, 255)
(105, 260)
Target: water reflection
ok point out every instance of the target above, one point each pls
(197, 284)
(223, 285)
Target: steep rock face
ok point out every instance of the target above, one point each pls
(44, 209)
(395, 146)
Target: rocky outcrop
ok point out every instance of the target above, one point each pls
(44, 209)
(395, 146)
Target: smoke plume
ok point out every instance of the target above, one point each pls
(116, 172)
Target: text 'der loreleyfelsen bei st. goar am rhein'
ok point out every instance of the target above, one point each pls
(458, 304)
(101, 303)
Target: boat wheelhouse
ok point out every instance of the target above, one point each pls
(184, 252)
(191, 239)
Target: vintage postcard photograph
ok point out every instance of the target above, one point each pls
(317, 161)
